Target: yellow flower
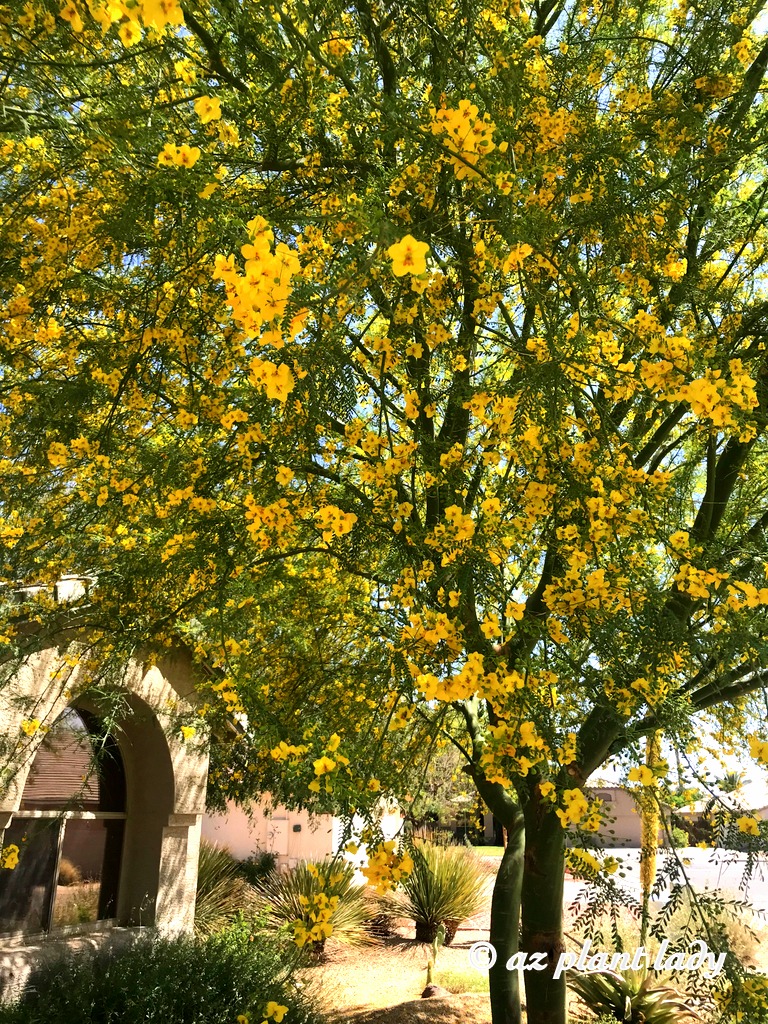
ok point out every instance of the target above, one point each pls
(188, 731)
(748, 825)
(30, 726)
(130, 33)
(324, 765)
(275, 1011)
(187, 156)
(242, 1018)
(70, 13)
(283, 476)
(515, 259)
(408, 256)
(643, 775)
(9, 857)
(208, 109)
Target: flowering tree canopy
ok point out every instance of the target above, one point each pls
(409, 362)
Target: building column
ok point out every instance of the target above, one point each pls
(177, 884)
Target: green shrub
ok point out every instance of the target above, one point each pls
(157, 981)
(630, 997)
(222, 892)
(257, 866)
(679, 838)
(445, 887)
(315, 894)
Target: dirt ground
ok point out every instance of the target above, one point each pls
(382, 983)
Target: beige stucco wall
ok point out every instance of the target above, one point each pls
(245, 834)
(625, 828)
(291, 835)
(166, 775)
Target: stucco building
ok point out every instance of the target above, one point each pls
(99, 826)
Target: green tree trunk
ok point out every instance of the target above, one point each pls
(505, 903)
(505, 927)
(542, 911)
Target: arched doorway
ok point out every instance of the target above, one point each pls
(69, 828)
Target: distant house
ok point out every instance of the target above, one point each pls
(292, 836)
(623, 824)
(622, 827)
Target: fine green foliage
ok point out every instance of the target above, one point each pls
(160, 981)
(222, 891)
(311, 895)
(630, 996)
(445, 887)
(257, 866)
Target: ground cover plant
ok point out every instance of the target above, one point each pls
(408, 361)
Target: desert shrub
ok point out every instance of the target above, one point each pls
(679, 838)
(160, 981)
(222, 892)
(728, 927)
(318, 900)
(69, 873)
(257, 866)
(632, 997)
(445, 887)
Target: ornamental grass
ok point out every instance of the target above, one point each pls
(445, 887)
(317, 900)
(222, 891)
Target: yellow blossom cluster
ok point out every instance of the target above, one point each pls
(156, 15)
(758, 749)
(178, 156)
(698, 582)
(512, 749)
(287, 751)
(583, 862)
(386, 867)
(316, 924)
(575, 807)
(464, 134)
(260, 295)
(334, 522)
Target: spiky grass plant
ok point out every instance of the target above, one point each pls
(317, 899)
(445, 887)
(222, 892)
(631, 997)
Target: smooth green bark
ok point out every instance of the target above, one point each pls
(542, 910)
(505, 928)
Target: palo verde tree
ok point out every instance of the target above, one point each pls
(455, 310)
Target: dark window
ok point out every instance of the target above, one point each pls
(68, 830)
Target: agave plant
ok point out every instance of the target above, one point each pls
(630, 997)
(445, 887)
(222, 892)
(293, 898)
